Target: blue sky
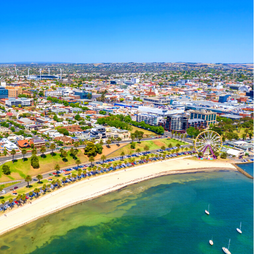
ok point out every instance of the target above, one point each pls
(126, 31)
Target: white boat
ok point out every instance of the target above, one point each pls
(211, 242)
(226, 250)
(207, 211)
(239, 230)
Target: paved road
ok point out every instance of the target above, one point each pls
(28, 155)
(22, 183)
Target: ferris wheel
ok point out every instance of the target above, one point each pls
(208, 142)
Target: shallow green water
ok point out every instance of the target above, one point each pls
(162, 215)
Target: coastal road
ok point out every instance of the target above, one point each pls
(22, 183)
(29, 154)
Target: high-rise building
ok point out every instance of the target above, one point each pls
(178, 123)
(208, 116)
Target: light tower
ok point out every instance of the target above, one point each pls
(60, 73)
(16, 71)
(40, 74)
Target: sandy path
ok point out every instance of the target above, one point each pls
(88, 189)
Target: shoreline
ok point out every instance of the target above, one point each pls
(92, 188)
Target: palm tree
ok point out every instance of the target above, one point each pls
(133, 136)
(43, 150)
(108, 143)
(91, 159)
(103, 158)
(39, 177)
(76, 144)
(78, 162)
(34, 151)
(23, 151)
(5, 152)
(13, 152)
(23, 198)
(118, 140)
(28, 179)
(52, 147)
(10, 200)
(57, 168)
(36, 191)
(64, 179)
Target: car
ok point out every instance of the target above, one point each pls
(16, 187)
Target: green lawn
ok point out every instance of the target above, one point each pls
(20, 168)
(152, 144)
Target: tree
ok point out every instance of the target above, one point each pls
(6, 169)
(178, 145)
(35, 161)
(223, 155)
(200, 154)
(57, 168)
(52, 147)
(170, 145)
(76, 144)
(10, 200)
(34, 151)
(37, 191)
(133, 136)
(243, 136)
(23, 151)
(193, 132)
(163, 147)
(28, 179)
(13, 152)
(92, 150)
(103, 158)
(39, 177)
(138, 150)
(133, 145)
(78, 162)
(108, 143)
(43, 150)
(5, 152)
(146, 148)
(64, 154)
(250, 134)
(118, 140)
(91, 159)
(122, 154)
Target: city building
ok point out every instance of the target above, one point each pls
(14, 92)
(147, 118)
(224, 98)
(208, 116)
(178, 123)
(3, 93)
(157, 101)
(83, 94)
(19, 101)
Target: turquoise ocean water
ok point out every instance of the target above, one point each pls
(162, 215)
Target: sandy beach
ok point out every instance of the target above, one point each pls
(100, 185)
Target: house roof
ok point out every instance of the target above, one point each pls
(23, 143)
